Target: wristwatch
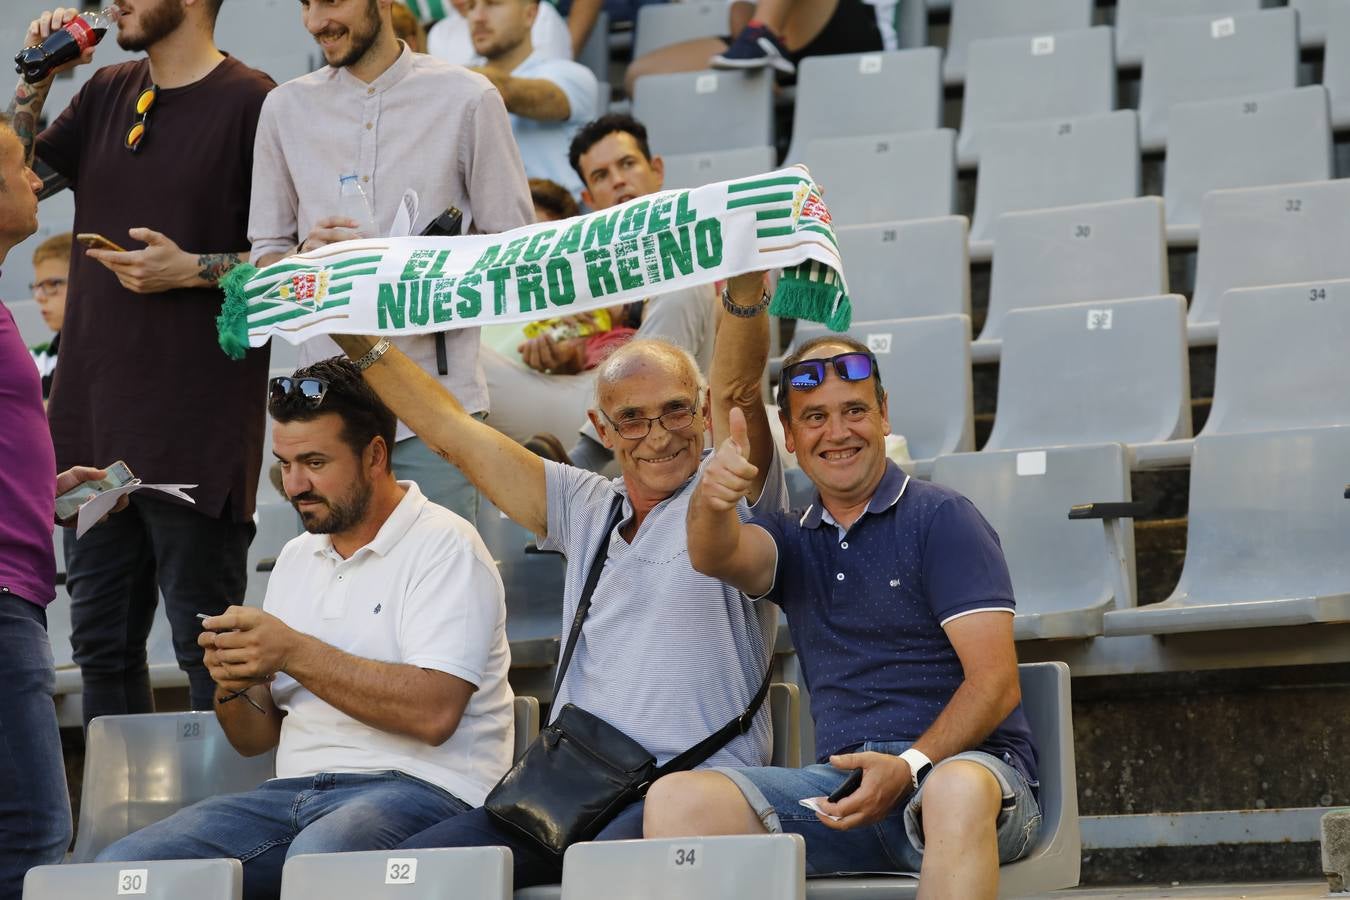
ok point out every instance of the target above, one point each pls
(373, 354)
(919, 765)
(743, 312)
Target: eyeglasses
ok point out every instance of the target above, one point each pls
(144, 103)
(809, 374)
(638, 427)
(47, 286)
(283, 386)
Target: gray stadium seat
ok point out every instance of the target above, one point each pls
(695, 112)
(533, 582)
(1306, 327)
(1024, 79)
(899, 270)
(526, 710)
(1088, 373)
(1096, 251)
(743, 867)
(1053, 861)
(1039, 165)
(1247, 141)
(200, 879)
(1265, 541)
(1336, 62)
(1062, 578)
(140, 769)
(975, 19)
(1202, 58)
(55, 215)
(276, 522)
(1313, 16)
(887, 93)
(785, 709)
(1133, 18)
(689, 170)
(934, 352)
(1254, 237)
(473, 873)
(662, 24)
(886, 177)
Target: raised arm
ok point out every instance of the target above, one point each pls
(511, 476)
(744, 556)
(740, 354)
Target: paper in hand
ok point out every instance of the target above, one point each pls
(100, 505)
(813, 804)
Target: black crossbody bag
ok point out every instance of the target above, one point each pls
(580, 772)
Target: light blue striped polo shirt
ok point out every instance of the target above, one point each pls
(667, 655)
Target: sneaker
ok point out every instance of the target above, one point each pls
(549, 447)
(754, 48)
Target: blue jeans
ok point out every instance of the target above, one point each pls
(115, 574)
(439, 482)
(34, 803)
(284, 817)
(895, 844)
(478, 829)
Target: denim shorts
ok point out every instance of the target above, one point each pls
(895, 844)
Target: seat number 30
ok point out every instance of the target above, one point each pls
(132, 881)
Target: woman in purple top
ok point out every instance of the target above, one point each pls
(34, 805)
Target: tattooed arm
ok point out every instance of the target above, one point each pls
(163, 265)
(24, 111)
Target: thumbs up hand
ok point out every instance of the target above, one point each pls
(730, 476)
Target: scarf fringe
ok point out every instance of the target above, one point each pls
(798, 297)
(232, 323)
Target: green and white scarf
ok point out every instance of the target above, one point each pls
(649, 246)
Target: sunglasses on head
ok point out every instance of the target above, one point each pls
(809, 374)
(144, 103)
(311, 389)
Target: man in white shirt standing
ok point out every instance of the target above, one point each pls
(377, 666)
(547, 98)
(396, 120)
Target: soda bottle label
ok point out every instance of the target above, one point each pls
(84, 35)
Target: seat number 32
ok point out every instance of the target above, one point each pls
(400, 871)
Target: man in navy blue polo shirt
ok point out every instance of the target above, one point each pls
(900, 607)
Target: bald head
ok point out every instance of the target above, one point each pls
(649, 355)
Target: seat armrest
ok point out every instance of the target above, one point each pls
(1107, 510)
(266, 565)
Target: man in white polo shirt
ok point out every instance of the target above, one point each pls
(377, 666)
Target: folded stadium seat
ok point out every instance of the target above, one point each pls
(268, 35)
(742, 867)
(1336, 63)
(689, 170)
(142, 768)
(1312, 20)
(534, 588)
(1062, 578)
(886, 177)
(480, 873)
(55, 215)
(594, 53)
(1088, 373)
(1054, 858)
(1040, 165)
(1096, 251)
(1255, 237)
(695, 112)
(1248, 141)
(1206, 58)
(887, 93)
(785, 710)
(662, 24)
(1265, 541)
(1133, 18)
(972, 20)
(899, 270)
(1023, 79)
(925, 366)
(200, 879)
(526, 715)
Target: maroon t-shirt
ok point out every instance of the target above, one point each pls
(141, 377)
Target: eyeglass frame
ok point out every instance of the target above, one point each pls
(693, 412)
(141, 118)
(293, 389)
(41, 287)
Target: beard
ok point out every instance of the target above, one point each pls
(362, 39)
(343, 514)
(156, 23)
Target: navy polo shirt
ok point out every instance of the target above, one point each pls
(866, 609)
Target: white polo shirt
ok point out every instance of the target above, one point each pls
(424, 592)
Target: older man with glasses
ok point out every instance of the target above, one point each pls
(376, 667)
(900, 607)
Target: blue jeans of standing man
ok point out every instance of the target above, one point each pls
(34, 804)
(284, 817)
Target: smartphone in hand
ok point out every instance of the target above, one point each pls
(69, 503)
(848, 787)
(98, 242)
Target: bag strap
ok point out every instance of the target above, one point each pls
(700, 752)
(584, 603)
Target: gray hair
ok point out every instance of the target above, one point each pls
(619, 364)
